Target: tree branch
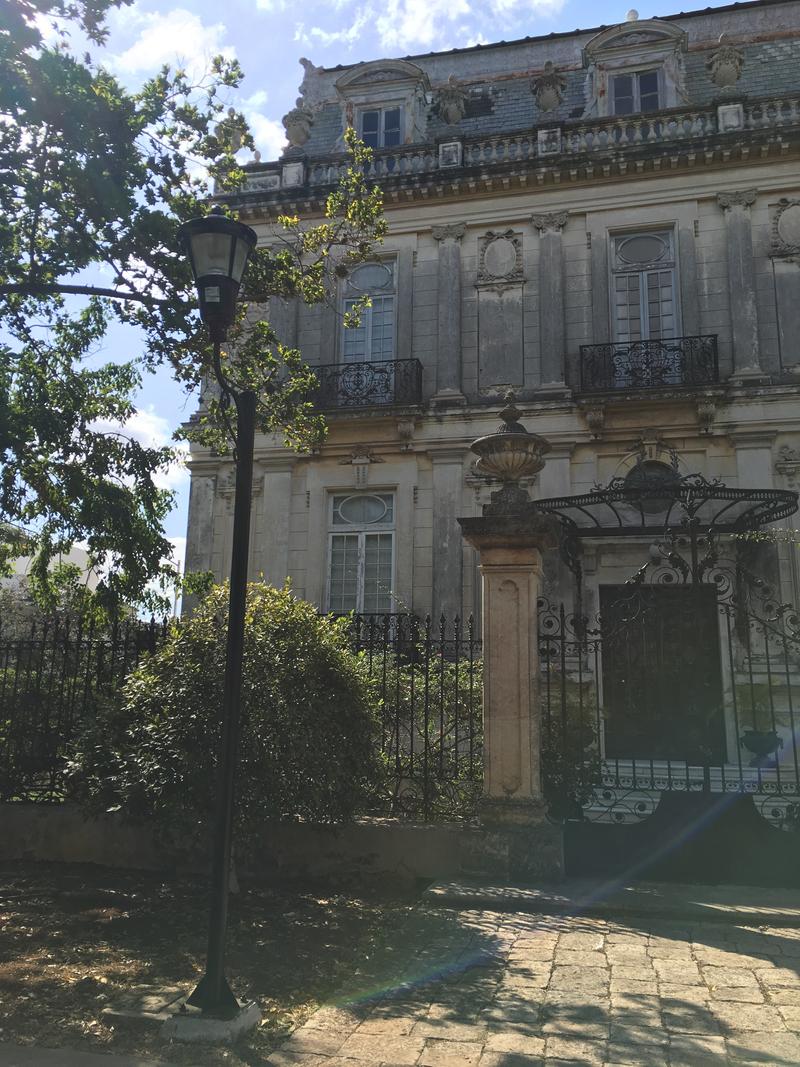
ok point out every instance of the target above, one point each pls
(58, 288)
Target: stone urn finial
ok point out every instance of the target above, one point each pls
(298, 123)
(510, 454)
(549, 88)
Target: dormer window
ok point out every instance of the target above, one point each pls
(635, 68)
(381, 127)
(635, 93)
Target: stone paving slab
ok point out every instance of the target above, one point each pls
(501, 988)
(583, 896)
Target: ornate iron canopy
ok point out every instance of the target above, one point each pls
(647, 502)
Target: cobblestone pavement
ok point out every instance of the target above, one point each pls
(482, 989)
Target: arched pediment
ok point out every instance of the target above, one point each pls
(381, 71)
(642, 33)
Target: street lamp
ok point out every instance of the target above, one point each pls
(218, 249)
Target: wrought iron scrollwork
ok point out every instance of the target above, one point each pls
(651, 364)
(363, 385)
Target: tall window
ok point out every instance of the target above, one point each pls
(373, 339)
(361, 552)
(635, 93)
(380, 127)
(643, 287)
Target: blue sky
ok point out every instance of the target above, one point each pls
(269, 37)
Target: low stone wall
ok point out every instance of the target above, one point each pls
(389, 849)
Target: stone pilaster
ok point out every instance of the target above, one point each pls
(271, 548)
(552, 328)
(448, 487)
(448, 366)
(200, 526)
(741, 282)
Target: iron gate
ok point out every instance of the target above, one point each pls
(675, 686)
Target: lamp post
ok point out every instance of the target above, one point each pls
(218, 249)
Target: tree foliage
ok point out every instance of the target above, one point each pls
(309, 734)
(94, 180)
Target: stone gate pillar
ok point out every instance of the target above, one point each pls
(510, 538)
(510, 548)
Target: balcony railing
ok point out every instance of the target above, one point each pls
(366, 385)
(664, 364)
(572, 140)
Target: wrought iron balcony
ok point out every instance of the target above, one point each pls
(365, 385)
(665, 364)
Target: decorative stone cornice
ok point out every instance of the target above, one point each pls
(552, 220)
(741, 198)
(453, 231)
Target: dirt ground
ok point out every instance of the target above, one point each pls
(75, 939)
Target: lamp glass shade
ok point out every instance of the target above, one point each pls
(211, 254)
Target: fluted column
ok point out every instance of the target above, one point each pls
(741, 282)
(448, 366)
(552, 329)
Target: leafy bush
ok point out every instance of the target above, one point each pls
(308, 745)
(430, 709)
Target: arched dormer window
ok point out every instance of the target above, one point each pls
(385, 101)
(635, 68)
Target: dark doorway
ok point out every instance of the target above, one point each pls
(662, 686)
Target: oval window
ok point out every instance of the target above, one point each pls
(362, 510)
(371, 276)
(644, 248)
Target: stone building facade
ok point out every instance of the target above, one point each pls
(605, 221)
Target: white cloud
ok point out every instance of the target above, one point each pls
(152, 431)
(349, 35)
(268, 134)
(176, 36)
(417, 23)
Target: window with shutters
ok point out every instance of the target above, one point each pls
(361, 553)
(643, 287)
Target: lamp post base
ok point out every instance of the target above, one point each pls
(193, 1026)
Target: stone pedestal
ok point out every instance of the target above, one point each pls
(510, 548)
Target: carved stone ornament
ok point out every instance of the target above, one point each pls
(786, 228)
(744, 198)
(298, 123)
(788, 464)
(549, 88)
(500, 258)
(450, 102)
(229, 132)
(725, 64)
(452, 232)
(554, 221)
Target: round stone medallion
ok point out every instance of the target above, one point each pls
(789, 225)
(500, 257)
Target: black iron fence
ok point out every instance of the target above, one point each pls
(427, 678)
(670, 690)
(364, 385)
(651, 364)
(54, 676)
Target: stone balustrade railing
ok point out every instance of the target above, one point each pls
(548, 144)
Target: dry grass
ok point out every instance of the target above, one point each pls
(74, 939)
